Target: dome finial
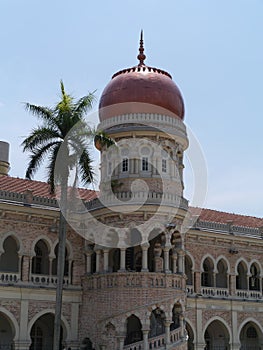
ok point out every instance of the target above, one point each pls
(141, 57)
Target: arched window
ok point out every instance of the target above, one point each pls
(177, 311)
(207, 274)
(9, 258)
(157, 323)
(54, 263)
(221, 276)
(254, 278)
(133, 330)
(188, 270)
(40, 262)
(250, 337)
(241, 278)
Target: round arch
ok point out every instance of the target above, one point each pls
(64, 325)
(13, 322)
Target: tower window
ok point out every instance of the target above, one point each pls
(145, 164)
(125, 165)
(164, 165)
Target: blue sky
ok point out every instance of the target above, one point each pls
(213, 50)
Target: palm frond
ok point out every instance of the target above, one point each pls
(51, 167)
(44, 113)
(85, 168)
(39, 137)
(37, 158)
(84, 104)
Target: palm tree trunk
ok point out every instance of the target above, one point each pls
(60, 265)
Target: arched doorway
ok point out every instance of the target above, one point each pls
(7, 333)
(42, 332)
(133, 330)
(250, 337)
(157, 323)
(217, 336)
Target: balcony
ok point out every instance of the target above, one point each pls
(134, 280)
(47, 280)
(224, 293)
(9, 277)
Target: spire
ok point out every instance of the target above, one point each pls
(141, 57)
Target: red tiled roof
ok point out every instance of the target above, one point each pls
(42, 189)
(223, 217)
(38, 188)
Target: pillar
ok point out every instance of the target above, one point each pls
(197, 282)
(106, 260)
(167, 332)
(98, 255)
(145, 257)
(166, 250)
(232, 284)
(181, 261)
(123, 260)
(145, 339)
(121, 342)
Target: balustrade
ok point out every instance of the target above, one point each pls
(47, 280)
(9, 277)
(134, 279)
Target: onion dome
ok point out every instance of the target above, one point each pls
(141, 89)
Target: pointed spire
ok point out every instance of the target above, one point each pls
(141, 57)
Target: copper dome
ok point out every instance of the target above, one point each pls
(143, 85)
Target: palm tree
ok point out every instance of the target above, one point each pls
(64, 133)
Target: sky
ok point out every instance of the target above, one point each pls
(213, 49)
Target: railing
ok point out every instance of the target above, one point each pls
(157, 342)
(215, 292)
(134, 280)
(46, 280)
(189, 290)
(137, 198)
(9, 277)
(144, 119)
(248, 294)
(175, 335)
(228, 228)
(21, 198)
(135, 346)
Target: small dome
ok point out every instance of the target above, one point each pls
(143, 85)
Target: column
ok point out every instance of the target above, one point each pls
(88, 262)
(181, 320)
(121, 342)
(197, 282)
(50, 265)
(167, 332)
(166, 250)
(145, 339)
(123, 260)
(98, 255)
(145, 247)
(26, 267)
(232, 284)
(106, 260)
(174, 257)
(181, 261)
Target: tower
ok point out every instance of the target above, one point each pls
(135, 283)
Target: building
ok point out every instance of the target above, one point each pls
(143, 270)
